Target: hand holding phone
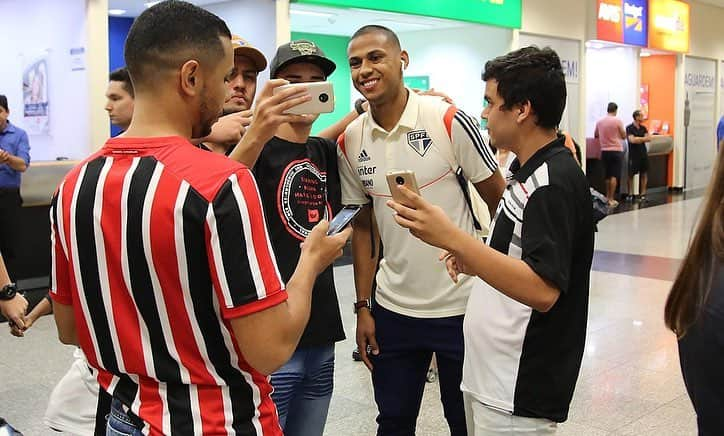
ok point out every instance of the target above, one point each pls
(322, 100)
(399, 178)
(343, 219)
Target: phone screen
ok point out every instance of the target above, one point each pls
(342, 219)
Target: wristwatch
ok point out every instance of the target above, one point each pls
(363, 304)
(358, 106)
(8, 292)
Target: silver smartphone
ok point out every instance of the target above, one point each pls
(342, 219)
(322, 98)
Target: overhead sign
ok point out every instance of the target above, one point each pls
(623, 21)
(669, 25)
(504, 13)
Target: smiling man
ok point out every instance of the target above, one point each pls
(418, 311)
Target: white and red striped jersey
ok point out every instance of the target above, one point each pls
(158, 245)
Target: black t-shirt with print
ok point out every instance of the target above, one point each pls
(299, 186)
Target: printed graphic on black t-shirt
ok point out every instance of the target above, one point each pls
(302, 199)
(299, 186)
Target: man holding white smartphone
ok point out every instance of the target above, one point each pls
(418, 311)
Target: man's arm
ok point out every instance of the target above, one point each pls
(20, 161)
(267, 318)
(621, 130)
(268, 338)
(65, 322)
(268, 116)
(332, 132)
(491, 190)
(365, 256)
(14, 162)
(365, 252)
(13, 310)
(227, 130)
(512, 277)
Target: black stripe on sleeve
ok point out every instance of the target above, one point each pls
(232, 242)
(473, 131)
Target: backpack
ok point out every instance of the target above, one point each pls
(441, 135)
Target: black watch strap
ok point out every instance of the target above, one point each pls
(363, 304)
(8, 292)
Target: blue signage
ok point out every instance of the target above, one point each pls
(635, 22)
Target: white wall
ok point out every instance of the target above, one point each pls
(29, 29)
(253, 20)
(561, 18)
(706, 31)
(570, 53)
(700, 87)
(454, 60)
(612, 76)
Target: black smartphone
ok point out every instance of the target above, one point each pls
(342, 219)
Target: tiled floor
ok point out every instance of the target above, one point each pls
(630, 383)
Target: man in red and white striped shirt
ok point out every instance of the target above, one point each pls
(163, 270)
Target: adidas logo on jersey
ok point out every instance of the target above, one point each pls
(363, 156)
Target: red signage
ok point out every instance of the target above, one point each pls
(610, 20)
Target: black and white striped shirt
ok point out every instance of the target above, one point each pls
(516, 358)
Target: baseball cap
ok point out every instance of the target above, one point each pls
(244, 48)
(298, 51)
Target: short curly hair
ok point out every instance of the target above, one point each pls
(533, 75)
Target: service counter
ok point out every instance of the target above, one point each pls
(38, 184)
(659, 150)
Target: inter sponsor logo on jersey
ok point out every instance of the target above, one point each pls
(419, 141)
(364, 170)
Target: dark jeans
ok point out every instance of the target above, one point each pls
(120, 424)
(10, 203)
(303, 390)
(406, 347)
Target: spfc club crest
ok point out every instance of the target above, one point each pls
(419, 141)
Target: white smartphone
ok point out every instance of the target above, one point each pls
(342, 219)
(322, 98)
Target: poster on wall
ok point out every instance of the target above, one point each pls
(645, 100)
(35, 97)
(699, 120)
(569, 53)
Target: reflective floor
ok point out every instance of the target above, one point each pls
(630, 383)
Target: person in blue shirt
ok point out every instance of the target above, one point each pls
(720, 132)
(14, 159)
